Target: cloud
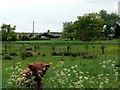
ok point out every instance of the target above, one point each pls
(49, 13)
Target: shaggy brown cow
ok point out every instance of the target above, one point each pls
(37, 69)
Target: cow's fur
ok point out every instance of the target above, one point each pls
(38, 70)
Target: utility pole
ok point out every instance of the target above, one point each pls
(33, 29)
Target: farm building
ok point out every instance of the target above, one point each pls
(47, 35)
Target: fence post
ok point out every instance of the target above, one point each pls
(35, 48)
(103, 51)
(5, 48)
(119, 62)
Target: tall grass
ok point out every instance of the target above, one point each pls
(68, 71)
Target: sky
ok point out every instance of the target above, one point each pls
(49, 14)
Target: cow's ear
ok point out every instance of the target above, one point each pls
(47, 66)
(30, 66)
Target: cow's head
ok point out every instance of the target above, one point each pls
(39, 69)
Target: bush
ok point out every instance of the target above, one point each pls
(28, 49)
(91, 56)
(7, 57)
(13, 54)
(1, 53)
(74, 54)
(66, 53)
(43, 54)
(26, 54)
(54, 53)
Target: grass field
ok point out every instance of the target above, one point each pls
(81, 65)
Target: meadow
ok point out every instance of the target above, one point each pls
(74, 64)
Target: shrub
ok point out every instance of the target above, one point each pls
(90, 56)
(43, 54)
(26, 54)
(28, 49)
(54, 53)
(74, 54)
(7, 57)
(1, 53)
(13, 54)
(66, 53)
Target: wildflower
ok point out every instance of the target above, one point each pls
(80, 77)
(101, 85)
(62, 73)
(81, 72)
(55, 86)
(82, 86)
(114, 62)
(10, 83)
(86, 78)
(61, 62)
(6, 69)
(76, 66)
(116, 73)
(107, 81)
(91, 81)
(87, 72)
(11, 68)
(69, 75)
(116, 78)
(18, 62)
(51, 63)
(53, 67)
(104, 62)
(74, 71)
(104, 66)
(109, 60)
(76, 74)
(92, 77)
(72, 67)
(13, 72)
(65, 69)
(113, 65)
(19, 70)
(68, 70)
(16, 67)
(107, 74)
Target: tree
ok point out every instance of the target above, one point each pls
(8, 33)
(88, 26)
(117, 31)
(68, 30)
(110, 20)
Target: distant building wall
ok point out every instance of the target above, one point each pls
(119, 7)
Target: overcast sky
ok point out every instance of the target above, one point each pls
(49, 14)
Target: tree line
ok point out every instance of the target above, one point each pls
(92, 26)
(86, 27)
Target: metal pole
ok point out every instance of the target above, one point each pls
(33, 29)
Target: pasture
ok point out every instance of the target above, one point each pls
(74, 64)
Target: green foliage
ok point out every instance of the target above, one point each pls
(74, 77)
(68, 30)
(7, 57)
(26, 54)
(87, 26)
(8, 33)
(110, 20)
(117, 31)
(99, 74)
